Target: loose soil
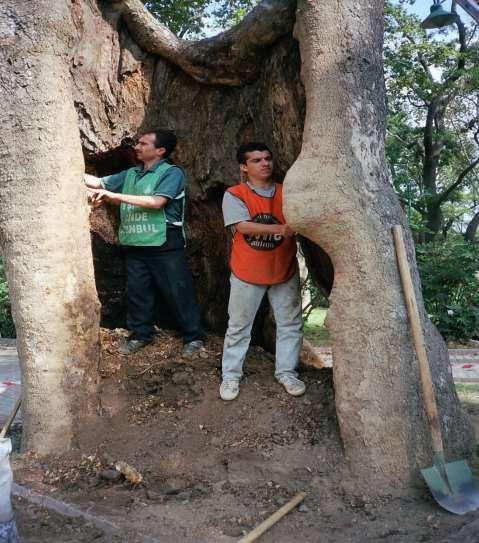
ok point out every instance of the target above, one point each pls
(211, 471)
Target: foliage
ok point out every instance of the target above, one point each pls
(450, 282)
(316, 297)
(183, 17)
(315, 330)
(192, 18)
(7, 327)
(432, 82)
(231, 12)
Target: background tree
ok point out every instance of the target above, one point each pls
(433, 126)
(192, 18)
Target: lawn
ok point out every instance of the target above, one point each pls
(314, 329)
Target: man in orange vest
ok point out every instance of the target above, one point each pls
(263, 260)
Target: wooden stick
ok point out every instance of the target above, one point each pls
(273, 519)
(418, 340)
(11, 418)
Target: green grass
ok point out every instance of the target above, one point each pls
(314, 329)
(468, 393)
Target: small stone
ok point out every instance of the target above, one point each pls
(152, 386)
(181, 378)
(303, 508)
(233, 531)
(174, 485)
(196, 389)
(110, 475)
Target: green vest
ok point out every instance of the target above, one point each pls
(138, 225)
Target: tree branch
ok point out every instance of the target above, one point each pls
(460, 178)
(472, 227)
(230, 58)
(421, 59)
(461, 61)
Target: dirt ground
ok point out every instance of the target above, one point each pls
(210, 471)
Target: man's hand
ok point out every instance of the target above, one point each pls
(286, 231)
(100, 196)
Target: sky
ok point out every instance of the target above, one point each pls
(421, 8)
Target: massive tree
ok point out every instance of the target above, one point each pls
(123, 72)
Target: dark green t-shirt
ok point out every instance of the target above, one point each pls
(172, 186)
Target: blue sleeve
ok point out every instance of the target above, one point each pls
(115, 182)
(172, 184)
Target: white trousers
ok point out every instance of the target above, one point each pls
(245, 299)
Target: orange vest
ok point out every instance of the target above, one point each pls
(265, 259)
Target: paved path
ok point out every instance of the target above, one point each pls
(464, 362)
(465, 365)
(9, 378)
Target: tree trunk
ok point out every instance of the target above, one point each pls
(337, 195)
(434, 221)
(472, 227)
(43, 225)
(239, 86)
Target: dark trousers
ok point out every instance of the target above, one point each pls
(164, 268)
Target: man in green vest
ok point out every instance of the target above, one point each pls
(152, 199)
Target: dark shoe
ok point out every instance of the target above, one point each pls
(191, 348)
(130, 346)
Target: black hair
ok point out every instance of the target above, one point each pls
(163, 138)
(249, 148)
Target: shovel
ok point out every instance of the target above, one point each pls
(451, 484)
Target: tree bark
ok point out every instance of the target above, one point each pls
(471, 230)
(337, 195)
(140, 91)
(44, 224)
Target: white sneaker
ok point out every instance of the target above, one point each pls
(229, 389)
(291, 384)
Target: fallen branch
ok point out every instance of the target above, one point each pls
(273, 519)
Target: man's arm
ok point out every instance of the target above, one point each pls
(148, 202)
(236, 216)
(92, 182)
(113, 183)
(252, 228)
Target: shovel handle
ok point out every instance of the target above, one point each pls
(418, 339)
(11, 418)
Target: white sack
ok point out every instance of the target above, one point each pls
(6, 478)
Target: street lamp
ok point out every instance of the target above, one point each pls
(438, 17)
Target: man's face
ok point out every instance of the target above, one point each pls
(145, 149)
(259, 165)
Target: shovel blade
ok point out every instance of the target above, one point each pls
(456, 491)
